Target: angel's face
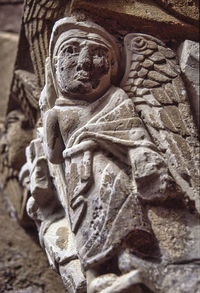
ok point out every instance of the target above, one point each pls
(83, 69)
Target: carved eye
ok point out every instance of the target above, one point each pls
(12, 120)
(70, 49)
(138, 44)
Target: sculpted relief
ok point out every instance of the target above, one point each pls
(16, 136)
(119, 137)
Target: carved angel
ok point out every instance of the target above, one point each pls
(153, 81)
(117, 150)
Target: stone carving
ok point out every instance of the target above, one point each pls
(38, 20)
(28, 78)
(16, 136)
(153, 81)
(18, 133)
(26, 93)
(52, 222)
(185, 9)
(188, 53)
(24, 180)
(120, 149)
(177, 21)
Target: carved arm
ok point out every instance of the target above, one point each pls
(52, 137)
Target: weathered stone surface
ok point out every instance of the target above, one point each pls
(39, 18)
(16, 136)
(53, 225)
(110, 283)
(116, 180)
(185, 9)
(177, 233)
(170, 126)
(148, 15)
(112, 177)
(7, 56)
(173, 277)
(188, 53)
(23, 266)
(32, 289)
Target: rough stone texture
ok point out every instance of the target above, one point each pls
(23, 265)
(127, 194)
(39, 18)
(162, 103)
(186, 9)
(141, 16)
(7, 56)
(16, 136)
(53, 225)
(188, 53)
(37, 23)
(117, 181)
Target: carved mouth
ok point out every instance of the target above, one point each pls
(82, 76)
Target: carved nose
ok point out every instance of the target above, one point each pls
(84, 61)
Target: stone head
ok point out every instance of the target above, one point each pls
(84, 59)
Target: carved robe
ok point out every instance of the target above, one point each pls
(100, 141)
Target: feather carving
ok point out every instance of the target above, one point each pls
(38, 19)
(153, 81)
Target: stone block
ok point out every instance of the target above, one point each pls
(184, 9)
(148, 15)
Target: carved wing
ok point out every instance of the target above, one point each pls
(39, 18)
(153, 81)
